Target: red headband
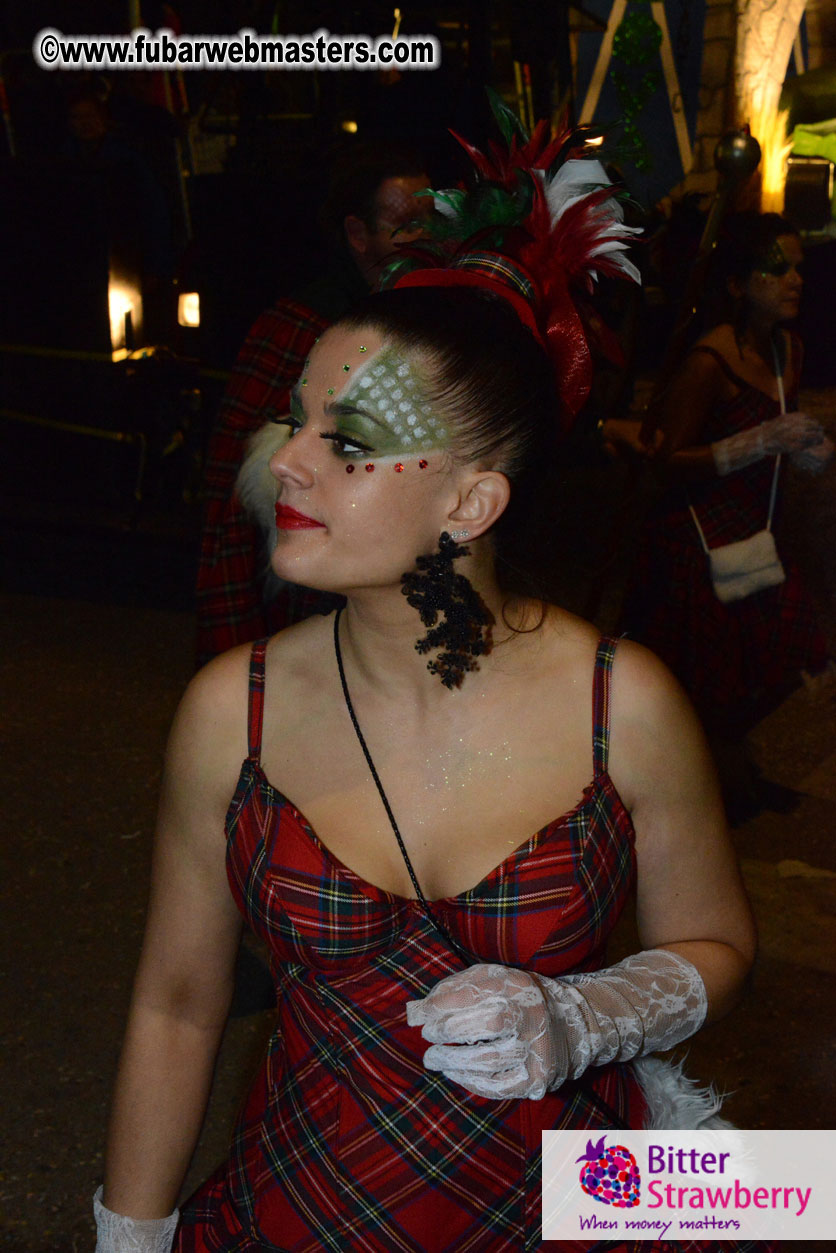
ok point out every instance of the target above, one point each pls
(473, 277)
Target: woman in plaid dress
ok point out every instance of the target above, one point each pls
(722, 430)
(434, 836)
(355, 1136)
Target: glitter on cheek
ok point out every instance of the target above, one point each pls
(369, 467)
(422, 464)
(399, 467)
(349, 469)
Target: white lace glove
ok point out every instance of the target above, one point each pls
(815, 459)
(116, 1233)
(505, 1033)
(791, 432)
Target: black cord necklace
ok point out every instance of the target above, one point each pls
(611, 1118)
(425, 905)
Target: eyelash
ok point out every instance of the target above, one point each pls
(343, 447)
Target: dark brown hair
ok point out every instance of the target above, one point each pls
(494, 386)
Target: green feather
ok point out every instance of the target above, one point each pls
(506, 119)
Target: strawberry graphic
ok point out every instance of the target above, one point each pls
(610, 1174)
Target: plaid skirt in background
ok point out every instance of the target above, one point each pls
(736, 661)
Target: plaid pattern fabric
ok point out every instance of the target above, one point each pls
(736, 661)
(345, 1141)
(230, 607)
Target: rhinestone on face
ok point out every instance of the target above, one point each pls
(346, 368)
(330, 391)
(362, 348)
(304, 382)
(422, 464)
(349, 469)
(369, 467)
(399, 467)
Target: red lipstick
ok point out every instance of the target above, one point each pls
(288, 519)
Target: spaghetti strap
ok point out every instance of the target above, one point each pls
(601, 704)
(795, 361)
(255, 707)
(722, 363)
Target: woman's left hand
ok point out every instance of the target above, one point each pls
(490, 1031)
(619, 435)
(505, 1033)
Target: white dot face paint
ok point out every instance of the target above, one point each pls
(384, 406)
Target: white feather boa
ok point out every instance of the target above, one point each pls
(675, 1102)
(255, 487)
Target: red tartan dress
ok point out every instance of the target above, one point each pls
(737, 661)
(345, 1141)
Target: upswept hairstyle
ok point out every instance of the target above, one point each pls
(494, 386)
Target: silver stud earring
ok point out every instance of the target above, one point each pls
(459, 534)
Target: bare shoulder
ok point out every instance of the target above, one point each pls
(722, 339)
(208, 738)
(299, 664)
(656, 741)
(303, 645)
(641, 682)
(566, 631)
(689, 886)
(561, 645)
(645, 696)
(703, 366)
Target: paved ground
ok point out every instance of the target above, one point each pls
(89, 689)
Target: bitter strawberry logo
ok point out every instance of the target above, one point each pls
(610, 1174)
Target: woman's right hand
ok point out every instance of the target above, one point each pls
(115, 1233)
(788, 433)
(791, 432)
(815, 459)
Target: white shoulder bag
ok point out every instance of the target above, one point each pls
(749, 565)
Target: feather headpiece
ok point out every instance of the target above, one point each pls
(538, 227)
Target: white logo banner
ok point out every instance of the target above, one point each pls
(689, 1185)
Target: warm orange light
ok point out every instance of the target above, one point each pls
(124, 307)
(350, 128)
(188, 308)
(769, 127)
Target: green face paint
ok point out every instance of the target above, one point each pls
(775, 264)
(384, 406)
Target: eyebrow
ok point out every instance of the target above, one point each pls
(338, 409)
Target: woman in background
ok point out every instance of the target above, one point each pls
(730, 414)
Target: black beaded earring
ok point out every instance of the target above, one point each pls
(464, 633)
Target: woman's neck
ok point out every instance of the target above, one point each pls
(762, 338)
(379, 631)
